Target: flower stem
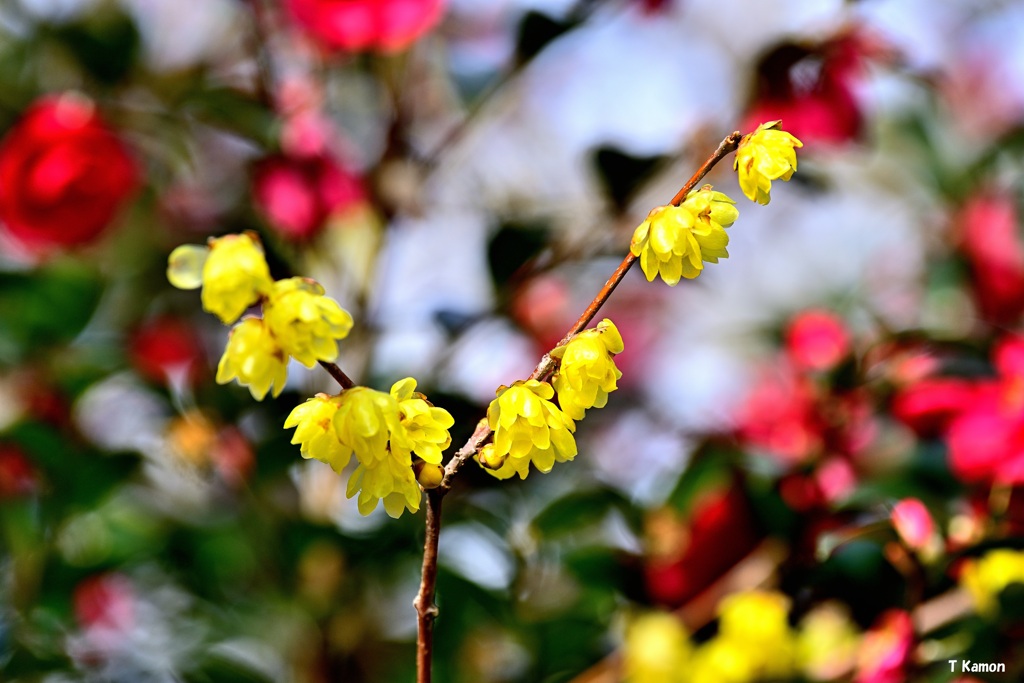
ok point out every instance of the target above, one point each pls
(426, 610)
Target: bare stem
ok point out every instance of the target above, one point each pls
(338, 374)
(426, 610)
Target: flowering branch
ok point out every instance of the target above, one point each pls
(426, 610)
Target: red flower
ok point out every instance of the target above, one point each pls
(817, 340)
(928, 405)
(780, 416)
(17, 476)
(355, 25)
(812, 90)
(299, 195)
(986, 440)
(721, 532)
(166, 348)
(995, 252)
(63, 174)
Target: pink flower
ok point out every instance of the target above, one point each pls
(298, 195)
(357, 25)
(913, 523)
(817, 340)
(993, 248)
(885, 651)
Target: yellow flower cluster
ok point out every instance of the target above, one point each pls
(986, 577)
(767, 154)
(587, 373)
(298, 320)
(383, 431)
(657, 649)
(675, 241)
(528, 427)
(754, 642)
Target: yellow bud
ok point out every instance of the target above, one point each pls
(490, 459)
(428, 475)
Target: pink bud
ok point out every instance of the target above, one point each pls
(913, 523)
(817, 340)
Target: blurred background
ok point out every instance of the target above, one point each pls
(810, 471)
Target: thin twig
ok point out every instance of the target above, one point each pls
(426, 610)
(338, 374)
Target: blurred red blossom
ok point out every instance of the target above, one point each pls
(779, 416)
(991, 243)
(63, 174)
(357, 25)
(811, 89)
(928, 405)
(105, 603)
(886, 649)
(164, 348)
(817, 340)
(986, 439)
(689, 558)
(298, 195)
(17, 476)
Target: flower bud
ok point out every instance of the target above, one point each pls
(427, 474)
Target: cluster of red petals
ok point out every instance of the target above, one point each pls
(360, 25)
(298, 194)
(17, 475)
(164, 348)
(982, 420)
(721, 531)
(990, 242)
(63, 174)
(815, 107)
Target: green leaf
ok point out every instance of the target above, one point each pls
(44, 308)
(578, 510)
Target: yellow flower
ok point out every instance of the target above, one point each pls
(529, 427)
(369, 423)
(254, 359)
(231, 270)
(827, 643)
(587, 372)
(674, 241)
(315, 431)
(721, 660)
(389, 481)
(365, 422)
(986, 577)
(426, 426)
(757, 622)
(306, 323)
(765, 155)
(657, 649)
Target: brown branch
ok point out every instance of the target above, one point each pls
(338, 374)
(426, 610)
